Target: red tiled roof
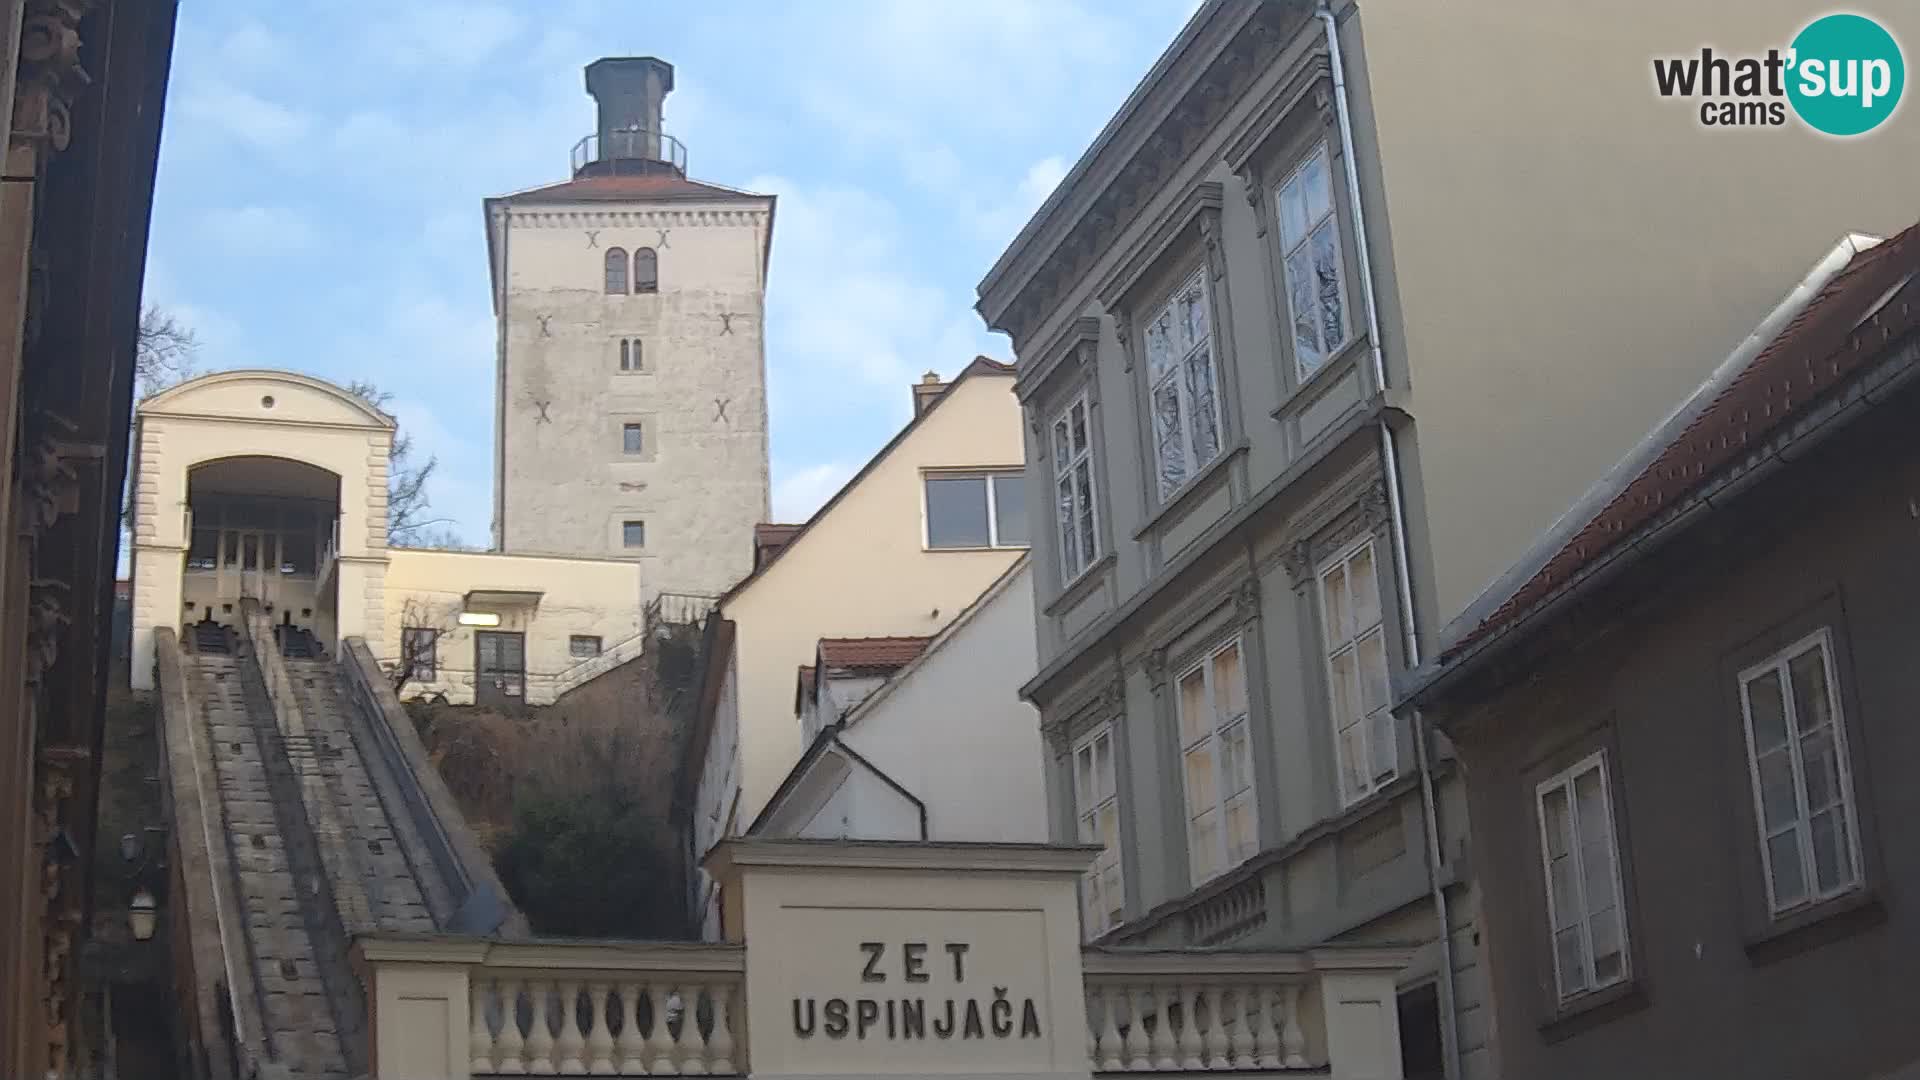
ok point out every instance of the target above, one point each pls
(874, 653)
(1816, 351)
(769, 540)
(647, 186)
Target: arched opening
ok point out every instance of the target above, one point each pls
(616, 272)
(265, 529)
(646, 271)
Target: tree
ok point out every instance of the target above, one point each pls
(407, 503)
(418, 613)
(163, 352)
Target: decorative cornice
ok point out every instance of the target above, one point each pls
(684, 219)
(49, 73)
(1202, 201)
(1075, 349)
(1249, 53)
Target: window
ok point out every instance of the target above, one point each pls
(583, 646)
(1073, 490)
(629, 354)
(1310, 255)
(203, 550)
(1096, 808)
(1802, 786)
(977, 511)
(630, 441)
(616, 272)
(646, 271)
(1180, 377)
(633, 534)
(1217, 764)
(418, 652)
(1357, 673)
(1582, 866)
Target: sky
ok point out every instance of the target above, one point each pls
(323, 164)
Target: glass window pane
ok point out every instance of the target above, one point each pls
(1204, 846)
(1070, 560)
(1812, 704)
(1196, 720)
(1236, 760)
(1342, 682)
(1557, 821)
(633, 534)
(1242, 829)
(1565, 890)
(1767, 712)
(1062, 447)
(1293, 210)
(1384, 747)
(1200, 400)
(1304, 307)
(1570, 956)
(1353, 760)
(1371, 654)
(1316, 186)
(1789, 878)
(1083, 485)
(956, 511)
(1108, 835)
(1337, 610)
(1229, 683)
(630, 438)
(1831, 866)
(1010, 510)
(1169, 452)
(1083, 787)
(250, 551)
(1365, 586)
(1326, 273)
(616, 263)
(1609, 950)
(1777, 804)
(1103, 766)
(1596, 869)
(1821, 767)
(1194, 320)
(1078, 416)
(1160, 345)
(1202, 793)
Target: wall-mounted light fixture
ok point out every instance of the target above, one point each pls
(142, 913)
(479, 618)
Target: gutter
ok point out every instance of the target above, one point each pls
(1403, 578)
(1871, 390)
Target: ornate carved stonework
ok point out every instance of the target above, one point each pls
(1374, 508)
(1246, 601)
(1298, 562)
(1123, 333)
(1156, 667)
(1113, 698)
(50, 73)
(1210, 237)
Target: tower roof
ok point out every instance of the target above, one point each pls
(624, 187)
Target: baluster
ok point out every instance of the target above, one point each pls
(1095, 1000)
(660, 1039)
(1137, 1048)
(539, 1036)
(508, 1046)
(1218, 1050)
(1165, 1046)
(633, 1041)
(720, 1046)
(571, 1044)
(1240, 1054)
(1293, 1041)
(693, 1045)
(1109, 1040)
(479, 1039)
(1190, 1044)
(599, 1031)
(1266, 1041)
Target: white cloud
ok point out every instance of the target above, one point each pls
(804, 488)
(252, 47)
(219, 108)
(258, 231)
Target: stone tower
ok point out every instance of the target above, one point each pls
(630, 403)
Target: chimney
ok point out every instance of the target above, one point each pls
(926, 391)
(630, 91)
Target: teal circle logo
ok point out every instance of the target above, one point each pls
(1846, 74)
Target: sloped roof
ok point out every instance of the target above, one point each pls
(980, 365)
(872, 653)
(621, 188)
(1817, 350)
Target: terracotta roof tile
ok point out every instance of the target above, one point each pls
(871, 654)
(646, 186)
(1816, 351)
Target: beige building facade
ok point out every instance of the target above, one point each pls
(271, 486)
(1313, 340)
(631, 413)
(874, 561)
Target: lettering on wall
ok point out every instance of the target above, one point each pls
(992, 1014)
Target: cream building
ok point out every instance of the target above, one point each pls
(909, 543)
(272, 486)
(631, 413)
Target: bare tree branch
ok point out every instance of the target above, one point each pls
(163, 352)
(407, 502)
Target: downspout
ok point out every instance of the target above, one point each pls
(1397, 523)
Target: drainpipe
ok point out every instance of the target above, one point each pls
(1403, 580)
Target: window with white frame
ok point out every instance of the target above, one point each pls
(1073, 486)
(1802, 785)
(1096, 807)
(1582, 863)
(1183, 391)
(1310, 260)
(1356, 649)
(1217, 763)
(976, 510)
(630, 354)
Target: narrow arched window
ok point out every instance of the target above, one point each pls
(616, 272)
(646, 271)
